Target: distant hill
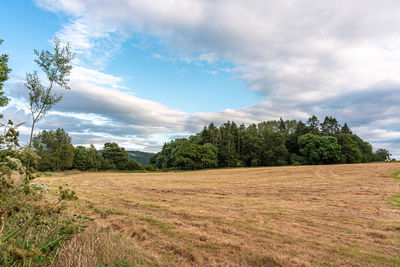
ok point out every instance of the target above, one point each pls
(141, 157)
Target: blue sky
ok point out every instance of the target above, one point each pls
(147, 71)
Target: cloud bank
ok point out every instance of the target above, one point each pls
(338, 58)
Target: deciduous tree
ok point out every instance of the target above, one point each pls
(57, 68)
(382, 155)
(320, 149)
(55, 150)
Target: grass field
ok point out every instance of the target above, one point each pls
(308, 215)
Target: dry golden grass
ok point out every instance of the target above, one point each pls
(99, 246)
(308, 215)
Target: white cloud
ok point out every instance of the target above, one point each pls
(325, 57)
(105, 99)
(306, 51)
(378, 134)
(95, 110)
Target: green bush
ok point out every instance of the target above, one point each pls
(150, 168)
(32, 228)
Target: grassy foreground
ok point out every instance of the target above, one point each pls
(307, 215)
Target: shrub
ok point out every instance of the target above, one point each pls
(150, 168)
(31, 228)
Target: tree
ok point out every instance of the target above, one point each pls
(4, 71)
(116, 157)
(330, 126)
(351, 153)
(186, 154)
(320, 149)
(382, 155)
(208, 156)
(253, 147)
(57, 68)
(269, 143)
(313, 125)
(55, 150)
(86, 158)
(94, 158)
(80, 158)
(227, 154)
(274, 151)
(292, 141)
(345, 129)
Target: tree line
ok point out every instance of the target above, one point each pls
(56, 153)
(270, 143)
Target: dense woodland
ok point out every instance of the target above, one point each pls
(270, 143)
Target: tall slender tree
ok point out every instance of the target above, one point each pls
(57, 68)
(313, 125)
(330, 126)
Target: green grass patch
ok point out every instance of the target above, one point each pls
(48, 174)
(396, 199)
(153, 221)
(104, 212)
(150, 206)
(349, 231)
(123, 263)
(209, 245)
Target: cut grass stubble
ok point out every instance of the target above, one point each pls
(311, 215)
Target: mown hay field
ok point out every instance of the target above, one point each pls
(336, 215)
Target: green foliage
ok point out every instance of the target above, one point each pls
(86, 158)
(320, 149)
(366, 149)
(57, 68)
(56, 64)
(186, 155)
(31, 229)
(396, 175)
(123, 263)
(274, 151)
(117, 158)
(270, 143)
(382, 155)
(55, 150)
(252, 147)
(296, 160)
(150, 168)
(227, 145)
(13, 158)
(4, 71)
(351, 153)
(330, 126)
(313, 125)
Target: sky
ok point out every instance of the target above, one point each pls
(146, 72)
